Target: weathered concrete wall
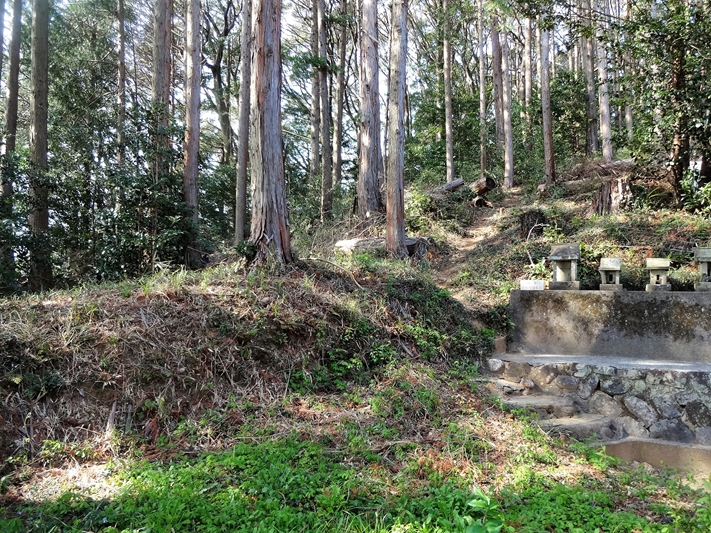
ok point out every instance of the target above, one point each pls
(653, 325)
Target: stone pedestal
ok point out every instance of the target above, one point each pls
(564, 285)
(658, 272)
(703, 258)
(611, 287)
(533, 285)
(657, 287)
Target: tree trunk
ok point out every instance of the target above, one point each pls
(508, 128)
(121, 127)
(40, 254)
(447, 68)
(482, 90)
(612, 196)
(628, 69)
(327, 155)
(527, 68)
(680, 155)
(340, 92)
(315, 97)
(369, 201)
(243, 133)
(482, 186)
(162, 43)
(546, 110)
(592, 144)
(603, 92)
(270, 223)
(193, 69)
(498, 83)
(2, 33)
(395, 232)
(7, 256)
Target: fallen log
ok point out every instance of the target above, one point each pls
(416, 246)
(449, 187)
(480, 201)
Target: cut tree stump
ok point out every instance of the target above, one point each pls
(480, 201)
(482, 186)
(612, 196)
(416, 246)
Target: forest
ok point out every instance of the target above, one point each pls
(140, 136)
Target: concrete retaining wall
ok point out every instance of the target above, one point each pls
(672, 326)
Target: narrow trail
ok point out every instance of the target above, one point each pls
(482, 228)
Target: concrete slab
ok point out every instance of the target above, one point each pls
(606, 360)
(582, 426)
(674, 326)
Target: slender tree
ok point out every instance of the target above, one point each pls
(40, 263)
(482, 89)
(603, 90)
(498, 82)
(121, 15)
(315, 96)
(396, 111)
(369, 170)
(546, 110)
(588, 56)
(327, 154)
(447, 71)
(340, 94)
(162, 69)
(243, 127)
(506, 108)
(193, 56)
(270, 222)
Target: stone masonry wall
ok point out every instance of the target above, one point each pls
(658, 404)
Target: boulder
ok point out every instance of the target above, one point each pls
(567, 383)
(666, 406)
(634, 427)
(605, 405)
(674, 430)
(588, 386)
(614, 386)
(698, 413)
(641, 410)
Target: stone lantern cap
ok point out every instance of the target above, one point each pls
(702, 255)
(658, 263)
(565, 252)
(610, 264)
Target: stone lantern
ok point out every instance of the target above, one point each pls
(565, 259)
(703, 258)
(610, 268)
(658, 273)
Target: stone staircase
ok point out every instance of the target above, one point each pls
(608, 398)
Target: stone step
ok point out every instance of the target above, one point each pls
(544, 406)
(584, 426)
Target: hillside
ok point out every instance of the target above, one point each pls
(343, 394)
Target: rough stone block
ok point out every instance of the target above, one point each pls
(611, 287)
(666, 406)
(703, 436)
(515, 371)
(543, 375)
(605, 405)
(698, 413)
(495, 365)
(634, 427)
(614, 386)
(630, 373)
(500, 345)
(641, 410)
(657, 288)
(702, 286)
(582, 371)
(588, 386)
(605, 370)
(567, 383)
(527, 383)
(685, 397)
(674, 430)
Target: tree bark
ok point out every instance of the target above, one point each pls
(270, 224)
(162, 43)
(326, 155)
(40, 277)
(369, 201)
(340, 93)
(121, 127)
(482, 89)
(315, 97)
(680, 155)
(395, 232)
(193, 69)
(603, 91)
(506, 107)
(546, 110)
(498, 83)
(527, 68)
(447, 68)
(243, 133)
(7, 256)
